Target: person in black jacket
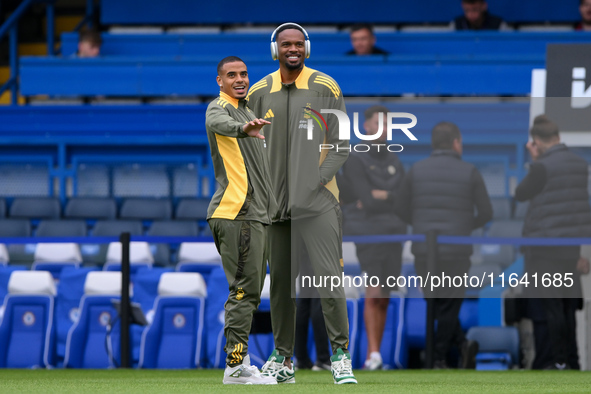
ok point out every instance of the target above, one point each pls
(477, 17)
(363, 41)
(373, 180)
(556, 186)
(441, 193)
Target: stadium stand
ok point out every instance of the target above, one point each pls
(55, 257)
(498, 347)
(61, 228)
(140, 256)
(35, 208)
(146, 209)
(164, 253)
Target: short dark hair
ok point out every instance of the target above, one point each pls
(444, 134)
(227, 59)
(473, 1)
(581, 2)
(287, 27)
(362, 26)
(371, 111)
(544, 129)
(91, 36)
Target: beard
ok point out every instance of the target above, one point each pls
(294, 67)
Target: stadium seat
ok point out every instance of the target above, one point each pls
(27, 331)
(139, 256)
(501, 208)
(93, 182)
(200, 257)
(174, 339)
(141, 181)
(171, 228)
(91, 208)
(217, 294)
(2, 208)
(192, 209)
(85, 346)
(61, 228)
(146, 209)
(54, 257)
(4, 257)
(394, 347)
(18, 253)
(70, 290)
(35, 208)
(498, 347)
(97, 254)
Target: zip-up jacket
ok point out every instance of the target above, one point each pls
(240, 165)
(302, 174)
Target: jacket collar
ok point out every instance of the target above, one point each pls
(555, 148)
(230, 99)
(446, 152)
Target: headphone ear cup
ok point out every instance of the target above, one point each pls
(307, 47)
(274, 50)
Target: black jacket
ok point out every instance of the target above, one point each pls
(362, 173)
(440, 193)
(491, 22)
(556, 186)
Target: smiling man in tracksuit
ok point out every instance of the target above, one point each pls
(239, 212)
(302, 175)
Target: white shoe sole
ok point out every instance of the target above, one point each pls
(346, 381)
(248, 383)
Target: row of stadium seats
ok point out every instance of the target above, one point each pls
(105, 208)
(67, 326)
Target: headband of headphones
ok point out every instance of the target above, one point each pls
(274, 49)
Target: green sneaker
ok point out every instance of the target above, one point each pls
(275, 368)
(342, 371)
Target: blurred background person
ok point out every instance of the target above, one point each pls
(585, 10)
(363, 41)
(477, 17)
(556, 186)
(89, 43)
(374, 179)
(447, 195)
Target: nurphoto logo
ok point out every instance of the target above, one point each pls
(345, 129)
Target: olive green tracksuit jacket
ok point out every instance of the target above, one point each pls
(302, 176)
(238, 215)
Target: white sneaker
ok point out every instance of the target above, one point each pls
(342, 370)
(276, 369)
(245, 374)
(374, 362)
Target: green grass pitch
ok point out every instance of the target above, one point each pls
(210, 381)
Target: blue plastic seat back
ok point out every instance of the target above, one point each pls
(174, 340)
(86, 346)
(204, 269)
(217, 294)
(56, 269)
(27, 331)
(69, 293)
(496, 340)
(393, 348)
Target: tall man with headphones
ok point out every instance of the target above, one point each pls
(305, 154)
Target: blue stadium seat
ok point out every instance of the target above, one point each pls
(61, 228)
(27, 331)
(35, 208)
(91, 208)
(498, 347)
(140, 256)
(85, 346)
(164, 253)
(5, 272)
(200, 257)
(54, 257)
(146, 209)
(141, 181)
(217, 295)
(394, 347)
(69, 293)
(97, 254)
(174, 339)
(192, 209)
(2, 208)
(18, 253)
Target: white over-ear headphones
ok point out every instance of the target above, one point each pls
(275, 50)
